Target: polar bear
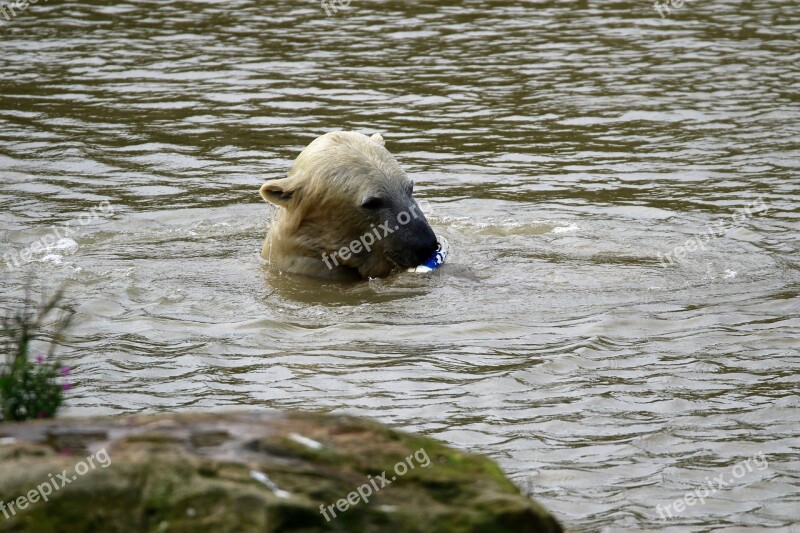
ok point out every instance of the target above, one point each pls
(345, 211)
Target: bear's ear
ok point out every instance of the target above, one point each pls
(278, 192)
(377, 138)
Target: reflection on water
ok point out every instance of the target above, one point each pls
(560, 147)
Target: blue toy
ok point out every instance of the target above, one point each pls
(436, 260)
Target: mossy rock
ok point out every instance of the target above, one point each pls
(249, 471)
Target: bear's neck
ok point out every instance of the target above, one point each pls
(289, 254)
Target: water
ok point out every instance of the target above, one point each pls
(559, 147)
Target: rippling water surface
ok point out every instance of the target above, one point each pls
(560, 146)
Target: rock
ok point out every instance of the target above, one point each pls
(248, 471)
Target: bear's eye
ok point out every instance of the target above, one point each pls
(373, 203)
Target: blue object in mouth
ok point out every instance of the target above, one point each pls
(436, 260)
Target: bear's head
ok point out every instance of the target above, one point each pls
(347, 204)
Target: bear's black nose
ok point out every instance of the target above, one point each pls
(426, 245)
(419, 243)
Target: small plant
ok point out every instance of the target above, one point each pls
(31, 389)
